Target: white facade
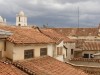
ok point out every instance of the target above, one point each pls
(1, 48)
(50, 49)
(21, 19)
(16, 52)
(60, 57)
(2, 20)
(66, 53)
(69, 46)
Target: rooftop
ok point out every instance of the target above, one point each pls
(77, 31)
(8, 69)
(91, 45)
(49, 66)
(56, 36)
(26, 35)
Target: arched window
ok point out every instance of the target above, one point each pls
(19, 19)
(19, 24)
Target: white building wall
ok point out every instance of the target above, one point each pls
(63, 57)
(9, 50)
(16, 52)
(69, 47)
(19, 51)
(50, 50)
(2, 48)
(37, 49)
(60, 57)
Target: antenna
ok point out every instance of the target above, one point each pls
(78, 16)
(78, 25)
(78, 20)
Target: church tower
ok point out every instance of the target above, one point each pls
(21, 19)
(2, 21)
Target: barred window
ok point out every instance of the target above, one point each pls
(28, 54)
(43, 51)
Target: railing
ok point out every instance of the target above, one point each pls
(85, 59)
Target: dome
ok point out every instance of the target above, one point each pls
(21, 13)
(1, 19)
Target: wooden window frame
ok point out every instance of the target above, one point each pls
(28, 53)
(86, 55)
(59, 50)
(43, 51)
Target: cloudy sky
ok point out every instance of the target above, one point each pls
(55, 13)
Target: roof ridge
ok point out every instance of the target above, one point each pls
(44, 34)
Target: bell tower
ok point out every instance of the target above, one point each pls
(21, 19)
(2, 21)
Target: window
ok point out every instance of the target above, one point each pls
(72, 51)
(5, 45)
(28, 54)
(19, 24)
(86, 56)
(43, 51)
(19, 19)
(59, 51)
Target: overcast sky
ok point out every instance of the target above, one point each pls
(55, 13)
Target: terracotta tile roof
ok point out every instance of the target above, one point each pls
(8, 69)
(56, 36)
(77, 31)
(65, 31)
(49, 66)
(26, 35)
(91, 45)
(87, 32)
(79, 43)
